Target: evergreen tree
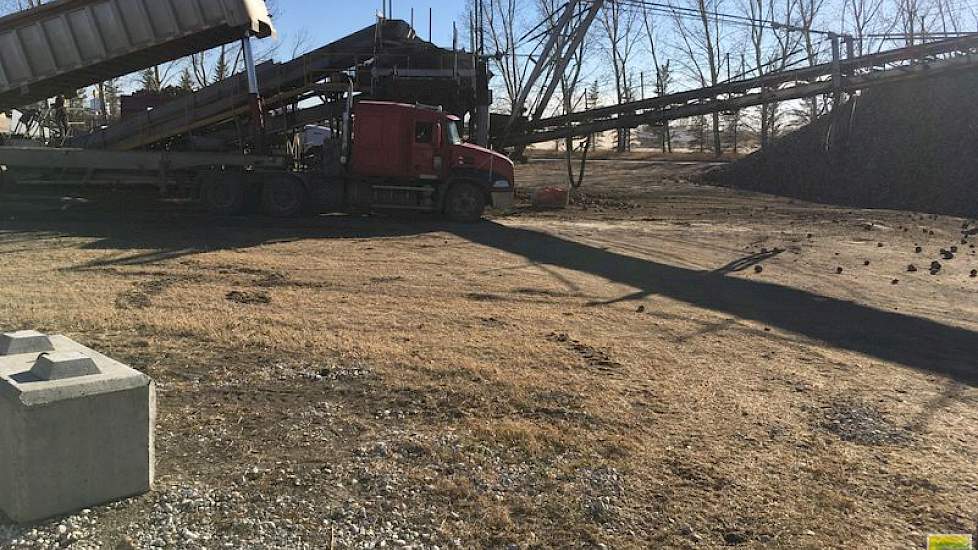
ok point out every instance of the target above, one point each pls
(186, 80)
(221, 67)
(111, 99)
(591, 101)
(149, 80)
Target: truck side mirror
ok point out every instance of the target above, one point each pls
(437, 138)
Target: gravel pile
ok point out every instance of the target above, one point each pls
(908, 146)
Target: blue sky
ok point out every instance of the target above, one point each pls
(327, 20)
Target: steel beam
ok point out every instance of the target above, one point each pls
(852, 83)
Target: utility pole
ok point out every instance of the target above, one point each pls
(836, 72)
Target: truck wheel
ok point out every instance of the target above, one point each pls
(465, 203)
(224, 194)
(283, 197)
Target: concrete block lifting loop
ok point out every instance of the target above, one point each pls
(63, 365)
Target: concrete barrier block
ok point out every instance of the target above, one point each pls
(24, 341)
(76, 430)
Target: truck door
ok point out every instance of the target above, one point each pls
(424, 150)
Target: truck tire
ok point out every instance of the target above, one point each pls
(465, 203)
(225, 194)
(283, 197)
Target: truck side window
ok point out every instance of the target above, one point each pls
(423, 132)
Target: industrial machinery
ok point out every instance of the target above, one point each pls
(235, 144)
(67, 44)
(388, 156)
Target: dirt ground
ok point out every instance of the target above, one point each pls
(662, 365)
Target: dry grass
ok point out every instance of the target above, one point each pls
(545, 380)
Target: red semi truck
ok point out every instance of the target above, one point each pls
(388, 156)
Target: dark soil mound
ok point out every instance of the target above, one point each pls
(909, 146)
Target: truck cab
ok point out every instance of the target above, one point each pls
(387, 156)
(413, 156)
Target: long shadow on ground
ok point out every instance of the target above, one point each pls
(919, 343)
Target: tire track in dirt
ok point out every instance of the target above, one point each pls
(595, 358)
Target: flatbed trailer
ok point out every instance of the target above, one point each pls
(167, 170)
(403, 157)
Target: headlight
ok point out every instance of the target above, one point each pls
(500, 184)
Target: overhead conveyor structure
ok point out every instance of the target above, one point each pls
(278, 83)
(845, 75)
(69, 44)
(384, 61)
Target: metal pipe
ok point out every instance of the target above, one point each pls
(257, 111)
(836, 72)
(347, 126)
(249, 60)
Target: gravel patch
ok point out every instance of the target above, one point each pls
(603, 489)
(861, 423)
(198, 517)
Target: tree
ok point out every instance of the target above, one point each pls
(186, 80)
(770, 49)
(111, 99)
(808, 11)
(221, 68)
(663, 75)
(862, 15)
(149, 80)
(570, 80)
(592, 100)
(502, 26)
(701, 46)
(621, 36)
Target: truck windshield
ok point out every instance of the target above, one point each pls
(451, 133)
